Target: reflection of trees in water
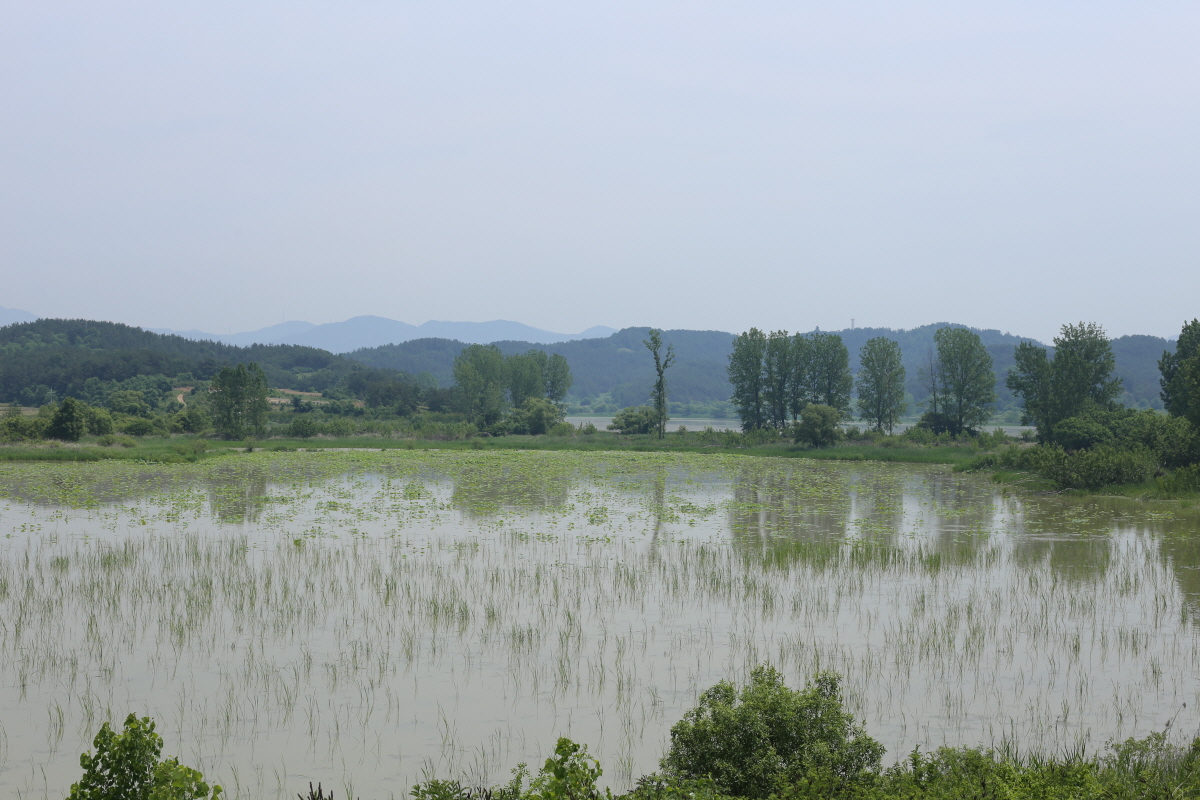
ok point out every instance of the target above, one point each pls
(957, 516)
(60, 485)
(239, 502)
(483, 490)
(775, 509)
(769, 503)
(1180, 550)
(237, 495)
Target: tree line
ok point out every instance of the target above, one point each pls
(520, 393)
(776, 376)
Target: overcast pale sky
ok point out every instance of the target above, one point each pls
(227, 166)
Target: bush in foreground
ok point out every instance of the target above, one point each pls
(126, 767)
(763, 740)
(750, 740)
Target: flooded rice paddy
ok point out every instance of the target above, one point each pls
(371, 619)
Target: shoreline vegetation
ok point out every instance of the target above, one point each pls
(1012, 461)
(760, 741)
(792, 394)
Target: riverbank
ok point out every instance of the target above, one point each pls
(181, 448)
(982, 454)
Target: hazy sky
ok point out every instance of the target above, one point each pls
(227, 166)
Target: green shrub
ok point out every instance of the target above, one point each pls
(1182, 481)
(1083, 469)
(192, 420)
(138, 426)
(749, 740)
(1097, 467)
(536, 416)
(936, 422)
(563, 429)
(303, 428)
(635, 419)
(110, 439)
(339, 427)
(17, 428)
(569, 774)
(126, 767)
(818, 426)
(99, 421)
(1079, 433)
(760, 436)
(69, 422)
(919, 435)
(991, 441)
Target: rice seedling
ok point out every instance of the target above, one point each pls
(379, 617)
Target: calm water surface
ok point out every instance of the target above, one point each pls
(369, 619)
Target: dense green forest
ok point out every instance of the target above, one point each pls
(60, 356)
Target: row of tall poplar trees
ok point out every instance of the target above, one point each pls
(776, 375)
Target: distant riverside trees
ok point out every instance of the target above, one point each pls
(479, 382)
(658, 395)
(776, 376)
(1181, 375)
(239, 401)
(487, 384)
(881, 384)
(961, 382)
(1078, 380)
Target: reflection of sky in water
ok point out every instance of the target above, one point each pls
(287, 618)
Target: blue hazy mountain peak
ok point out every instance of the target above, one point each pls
(374, 331)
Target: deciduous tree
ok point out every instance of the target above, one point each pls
(829, 379)
(480, 379)
(1079, 378)
(881, 383)
(1180, 374)
(239, 401)
(777, 375)
(658, 394)
(965, 378)
(745, 372)
(69, 422)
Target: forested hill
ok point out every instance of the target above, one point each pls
(620, 365)
(62, 354)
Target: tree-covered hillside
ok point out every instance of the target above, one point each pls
(60, 355)
(619, 365)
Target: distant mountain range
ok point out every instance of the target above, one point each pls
(8, 316)
(603, 361)
(371, 331)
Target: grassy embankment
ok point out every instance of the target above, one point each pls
(970, 455)
(180, 448)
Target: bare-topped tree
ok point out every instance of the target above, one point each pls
(659, 393)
